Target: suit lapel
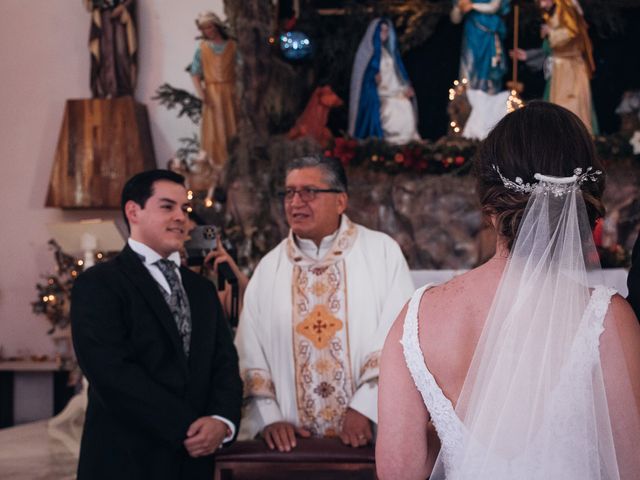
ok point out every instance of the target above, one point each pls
(142, 279)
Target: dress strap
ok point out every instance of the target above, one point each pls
(443, 415)
(596, 312)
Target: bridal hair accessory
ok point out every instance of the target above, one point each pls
(556, 185)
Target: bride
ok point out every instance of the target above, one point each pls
(522, 368)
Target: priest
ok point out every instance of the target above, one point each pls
(316, 313)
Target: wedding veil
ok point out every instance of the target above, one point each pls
(547, 395)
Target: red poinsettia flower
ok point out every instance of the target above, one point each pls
(409, 158)
(345, 149)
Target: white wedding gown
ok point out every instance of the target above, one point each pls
(564, 415)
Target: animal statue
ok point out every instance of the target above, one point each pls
(313, 121)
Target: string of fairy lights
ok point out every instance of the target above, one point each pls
(459, 88)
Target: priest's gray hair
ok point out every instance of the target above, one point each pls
(332, 169)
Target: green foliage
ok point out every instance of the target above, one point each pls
(188, 104)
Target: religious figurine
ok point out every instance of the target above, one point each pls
(567, 58)
(382, 102)
(313, 121)
(214, 78)
(113, 46)
(482, 60)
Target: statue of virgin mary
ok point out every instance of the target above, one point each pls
(382, 102)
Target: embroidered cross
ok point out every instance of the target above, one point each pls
(320, 326)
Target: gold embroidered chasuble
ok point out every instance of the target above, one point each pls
(324, 382)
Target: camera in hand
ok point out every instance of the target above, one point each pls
(202, 241)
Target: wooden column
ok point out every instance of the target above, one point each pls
(102, 143)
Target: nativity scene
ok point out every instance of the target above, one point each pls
(322, 239)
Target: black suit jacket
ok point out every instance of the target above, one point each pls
(143, 391)
(633, 280)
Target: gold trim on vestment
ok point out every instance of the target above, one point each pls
(322, 363)
(370, 370)
(257, 383)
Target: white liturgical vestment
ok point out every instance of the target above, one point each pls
(313, 326)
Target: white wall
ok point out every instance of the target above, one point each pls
(45, 60)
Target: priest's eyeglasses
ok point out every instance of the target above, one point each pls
(306, 194)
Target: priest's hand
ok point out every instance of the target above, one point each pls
(282, 435)
(356, 429)
(204, 436)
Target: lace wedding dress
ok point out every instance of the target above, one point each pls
(453, 433)
(547, 394)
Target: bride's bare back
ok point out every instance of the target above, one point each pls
(450, 321)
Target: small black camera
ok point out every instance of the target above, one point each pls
(202, 240)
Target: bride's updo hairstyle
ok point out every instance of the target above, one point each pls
(538, 138)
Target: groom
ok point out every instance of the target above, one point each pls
(150, 337)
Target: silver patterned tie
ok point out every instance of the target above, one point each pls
(177, 301)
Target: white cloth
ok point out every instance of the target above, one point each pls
(150, 258)
(397, 115)
(378, 283)
(486, 111)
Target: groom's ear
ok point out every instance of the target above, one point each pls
(132, 212)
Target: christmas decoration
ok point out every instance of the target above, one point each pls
(296, 45)
(447, 155)
(458, 106)
(54, 296)
(514, 101)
